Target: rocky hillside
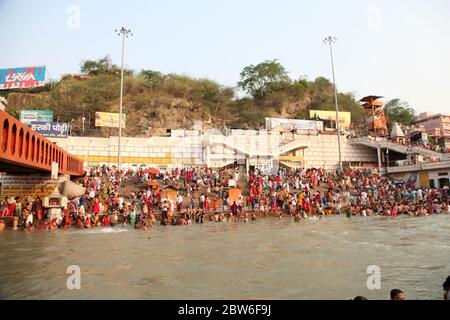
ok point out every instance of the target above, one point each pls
(154, 102)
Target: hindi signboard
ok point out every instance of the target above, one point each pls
(27, 77)
(108, 119)
(24, 186)
(50, 129)
(345, 118)
(28, 116)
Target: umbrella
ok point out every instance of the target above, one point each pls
(153, 171)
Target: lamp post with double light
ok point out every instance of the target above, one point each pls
(330, 40)
(124, 33)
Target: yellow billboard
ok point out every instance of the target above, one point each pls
(345, 118)
(108, 119)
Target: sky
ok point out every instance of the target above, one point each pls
(396, 49)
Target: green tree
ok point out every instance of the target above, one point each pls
(265, 77)
(400, 112)
(152, 77)
(101, 66)
(299, 88)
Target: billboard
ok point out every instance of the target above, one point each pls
(28, 116)
(292, 124)
(51, 129)
(108, 119)
(345, 118)
(28, 77)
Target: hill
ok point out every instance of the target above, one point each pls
(155, 102)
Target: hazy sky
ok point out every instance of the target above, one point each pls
(395, 48)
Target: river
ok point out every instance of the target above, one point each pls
(263, 259)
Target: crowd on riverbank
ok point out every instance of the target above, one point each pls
(202, 194)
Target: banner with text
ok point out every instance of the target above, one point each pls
(26, 186)
(50, 129)
(28, 77)
(108, 119)
(345, 118)
(28, 116)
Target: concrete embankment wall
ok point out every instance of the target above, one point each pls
(323, 152)
(216, 151)
(155, 151)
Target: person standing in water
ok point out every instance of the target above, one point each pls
(446, 286)
(397, 294)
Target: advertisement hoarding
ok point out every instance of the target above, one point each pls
(50, 129)
(275, 124)
(345, 118)
(108, 119)
(27, 77)
(28, 116)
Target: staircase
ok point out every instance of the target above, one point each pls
(289, 146)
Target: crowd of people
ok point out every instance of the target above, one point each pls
(136, 197)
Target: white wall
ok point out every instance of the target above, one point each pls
(213, 149)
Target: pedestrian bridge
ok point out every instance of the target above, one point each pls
(399, 148)
(444, 165)
(22, 150)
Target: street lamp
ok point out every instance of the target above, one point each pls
(330, 40)
(124, 33)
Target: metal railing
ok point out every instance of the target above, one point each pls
(420, 167)
(384, 144)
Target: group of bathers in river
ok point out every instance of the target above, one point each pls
(298, 193)
(397, 294)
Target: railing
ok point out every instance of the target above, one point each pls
(21, 146)
(420, 167)
(399, 147)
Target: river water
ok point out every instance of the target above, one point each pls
(263, 259)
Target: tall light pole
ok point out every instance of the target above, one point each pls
(124, 33)
(330, 40)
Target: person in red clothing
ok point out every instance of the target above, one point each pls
(37, 208)
(96, 207)
(106, 221)
(79, 222)
(394, 211)
(67, 222)
(11, 207)
(87, 222)
(4, 208)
